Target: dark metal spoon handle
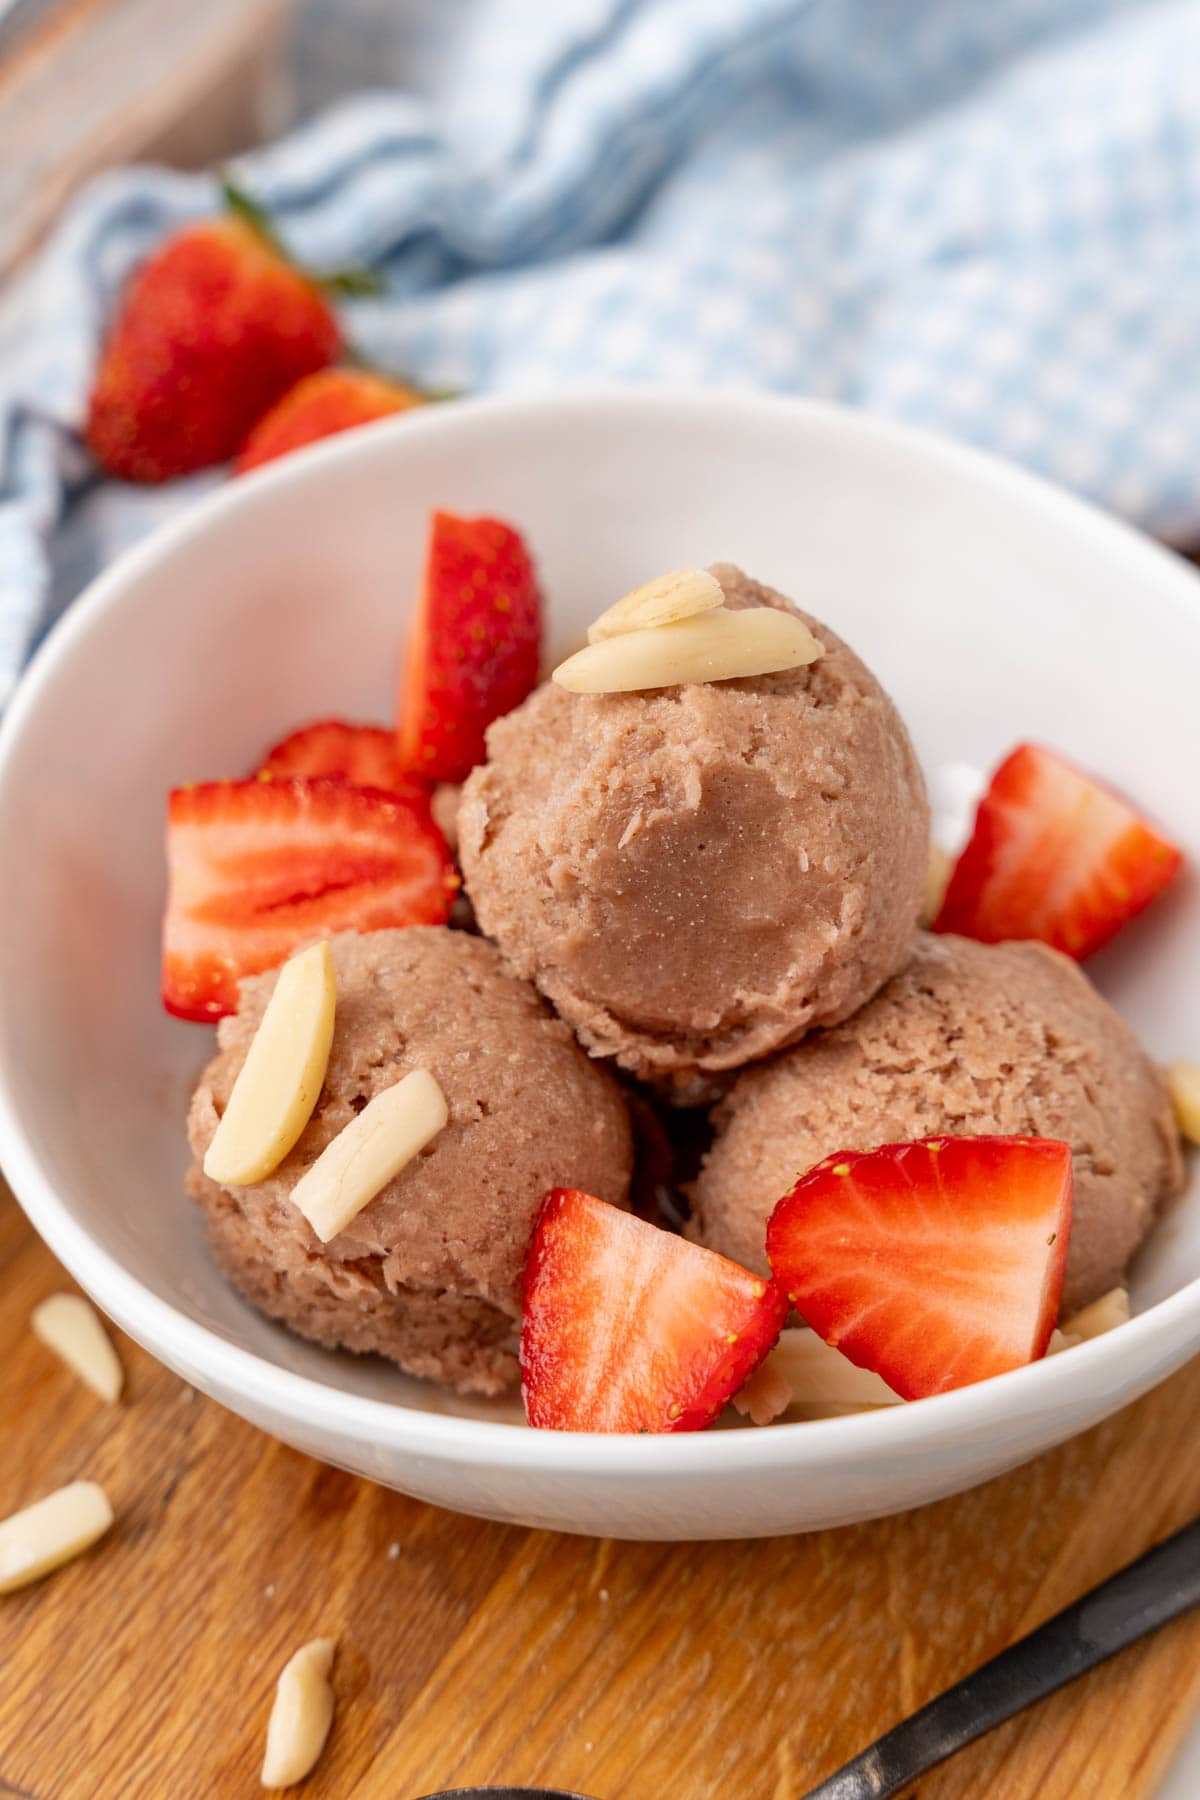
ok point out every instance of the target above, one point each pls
(503, 1793)
(1137, 1600)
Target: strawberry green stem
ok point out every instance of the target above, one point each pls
(346, 282)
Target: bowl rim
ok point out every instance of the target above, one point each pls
(313, 1404)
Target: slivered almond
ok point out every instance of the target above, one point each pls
(1105, 1314)
(679, 595)
(937, 875)
(51, 1532)
(301, 1715)
(1183, 1079)
(1060, 1341)
(280, 1081)
(369, 1152)
(803, 1371)
(70, 1326)
(766, 1396)
(711, 646)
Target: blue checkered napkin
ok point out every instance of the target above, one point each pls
(982, 218)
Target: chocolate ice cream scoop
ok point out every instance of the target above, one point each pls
(970, 1039)
(697, 875)
(428, 1273)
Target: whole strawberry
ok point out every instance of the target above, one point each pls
(321, 405)
(210, 332)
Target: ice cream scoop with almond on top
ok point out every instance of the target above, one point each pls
(705, 836)
(424, 1265)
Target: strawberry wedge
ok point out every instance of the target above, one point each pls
(256, 868)
(363, 755)
(629, 1328)
(1056, 856)
(475, 645)
(935, 1264)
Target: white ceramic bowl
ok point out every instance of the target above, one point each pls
(992, 607)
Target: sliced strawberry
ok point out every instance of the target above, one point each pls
(935, 1264)
(628, 1328)
(364, 755)
(1054, 856)
(474, 648)
(257, 867)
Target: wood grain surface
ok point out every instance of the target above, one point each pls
(470, 1652)
(98, 82)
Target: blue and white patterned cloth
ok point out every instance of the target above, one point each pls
(981, 217)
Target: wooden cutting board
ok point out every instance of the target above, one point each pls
(470, 1652)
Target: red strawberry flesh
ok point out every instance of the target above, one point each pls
(363, 755)
(936, 1263)
(212, 329)
(257, 868)
(475, 645)
(321, 406)
(629, 1328)
(1056, 856)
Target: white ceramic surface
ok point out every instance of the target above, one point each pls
(991, 606)
(1183, 1782)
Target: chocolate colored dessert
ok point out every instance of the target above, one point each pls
(697, 876)
(970, 1039)
(429, 1272)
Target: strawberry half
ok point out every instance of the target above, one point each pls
(257, 868)
(475, 645)
(1053, 855)
(320, 406)
(935, 1264)
(628, 1328)
(363, 755)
